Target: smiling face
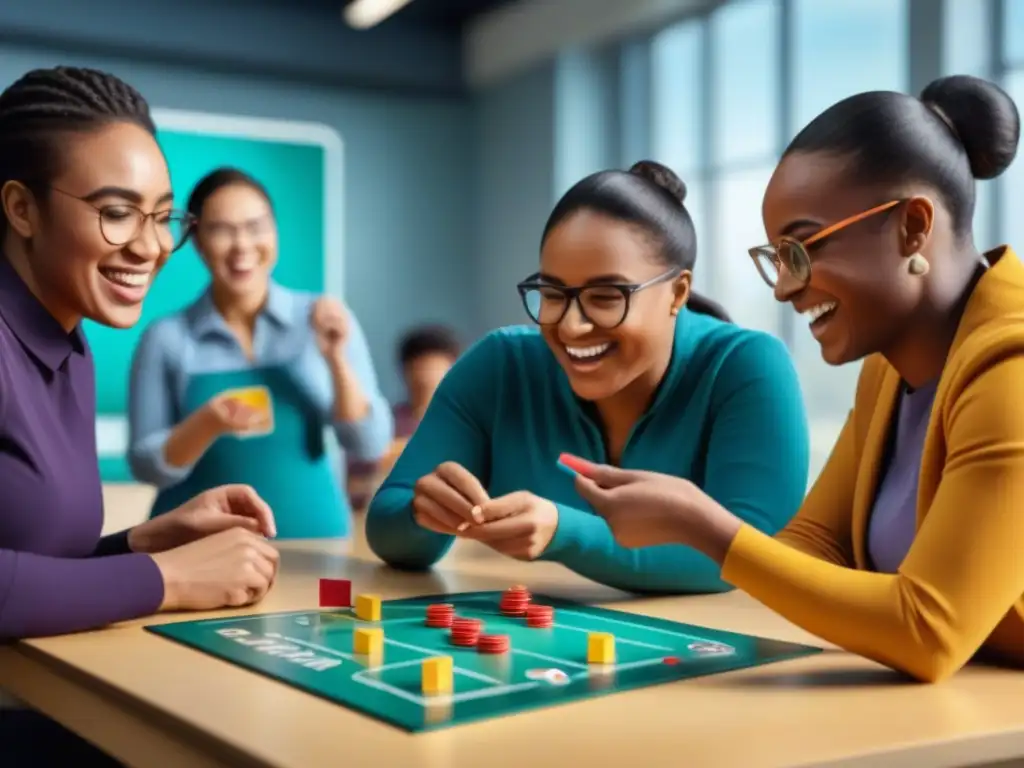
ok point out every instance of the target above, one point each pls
(590, 249)
(237, 238)
(76, 271)
(860, 295)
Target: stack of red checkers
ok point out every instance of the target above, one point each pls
(514, 601)
(466, 632)
(493, 644)
(540, 616)
(440, 615)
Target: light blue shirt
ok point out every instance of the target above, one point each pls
(197, 340)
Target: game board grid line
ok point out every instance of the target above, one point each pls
(365, 676)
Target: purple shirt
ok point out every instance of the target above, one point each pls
(893, 523)
(56, 574)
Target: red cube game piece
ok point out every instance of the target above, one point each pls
(335, 593)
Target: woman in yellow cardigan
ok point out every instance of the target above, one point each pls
(909, 549)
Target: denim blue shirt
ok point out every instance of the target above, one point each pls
(197, 340)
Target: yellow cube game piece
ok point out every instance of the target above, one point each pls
(601, 648)
(368, 607)
(438, 675)
(369, 642)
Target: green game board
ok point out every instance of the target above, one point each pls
(312, 650)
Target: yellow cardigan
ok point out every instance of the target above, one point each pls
(960, 588)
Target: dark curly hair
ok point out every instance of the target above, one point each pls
(428, 340)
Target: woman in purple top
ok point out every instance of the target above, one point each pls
(85, 224)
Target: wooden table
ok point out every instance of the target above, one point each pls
(151, 702)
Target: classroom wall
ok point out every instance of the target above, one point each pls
(408, 182)
(305, 42)
(516, 167)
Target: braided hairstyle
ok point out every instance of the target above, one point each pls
(44, 105)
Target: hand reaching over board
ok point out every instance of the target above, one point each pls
(444, 501)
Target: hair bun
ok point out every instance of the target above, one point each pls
(662, 177)
(982, 116)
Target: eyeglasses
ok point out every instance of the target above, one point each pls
(792, 254)
(224, 234)
(604, 305)
(122, 223)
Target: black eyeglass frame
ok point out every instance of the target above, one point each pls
(573, 294)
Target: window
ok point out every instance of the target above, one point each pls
(967, 37)
(737, 227)
(677, 84)
(843, 47)
(1013, 31)
(985, 237)
(696, 204)
(1012, 183)
(744, 82)
(840, 48)
(677, 90)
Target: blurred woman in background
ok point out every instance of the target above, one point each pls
(239, 386)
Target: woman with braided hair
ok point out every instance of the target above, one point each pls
(85, 224)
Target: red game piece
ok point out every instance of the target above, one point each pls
(440, 615)
(335, 593)
(515, 600)
(540, 616)
(465, 632)
(574, 463)
(493, 644)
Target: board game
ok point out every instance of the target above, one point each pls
(431, 662)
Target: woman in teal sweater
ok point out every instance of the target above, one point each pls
(628, 367)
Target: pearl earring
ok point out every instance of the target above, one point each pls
(918, 265)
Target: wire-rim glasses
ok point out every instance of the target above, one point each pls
(791, 254)
(122, 223)
(604, 305)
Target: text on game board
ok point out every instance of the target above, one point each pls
(279, 649)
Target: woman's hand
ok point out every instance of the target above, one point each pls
(520, 525)
(444, 501)
(647, 508)
(214, 511)
(229, 415)
(229, 569)
(329, 322)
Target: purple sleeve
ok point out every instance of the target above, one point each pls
(42, 596)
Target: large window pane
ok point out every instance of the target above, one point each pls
(676, 84)
(985, 236)
(1013, 31)
(696, 204)
(828, 392)
(967, 37)
(744, 86)
(1012, 182)
(737, 227)
(843, 47)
